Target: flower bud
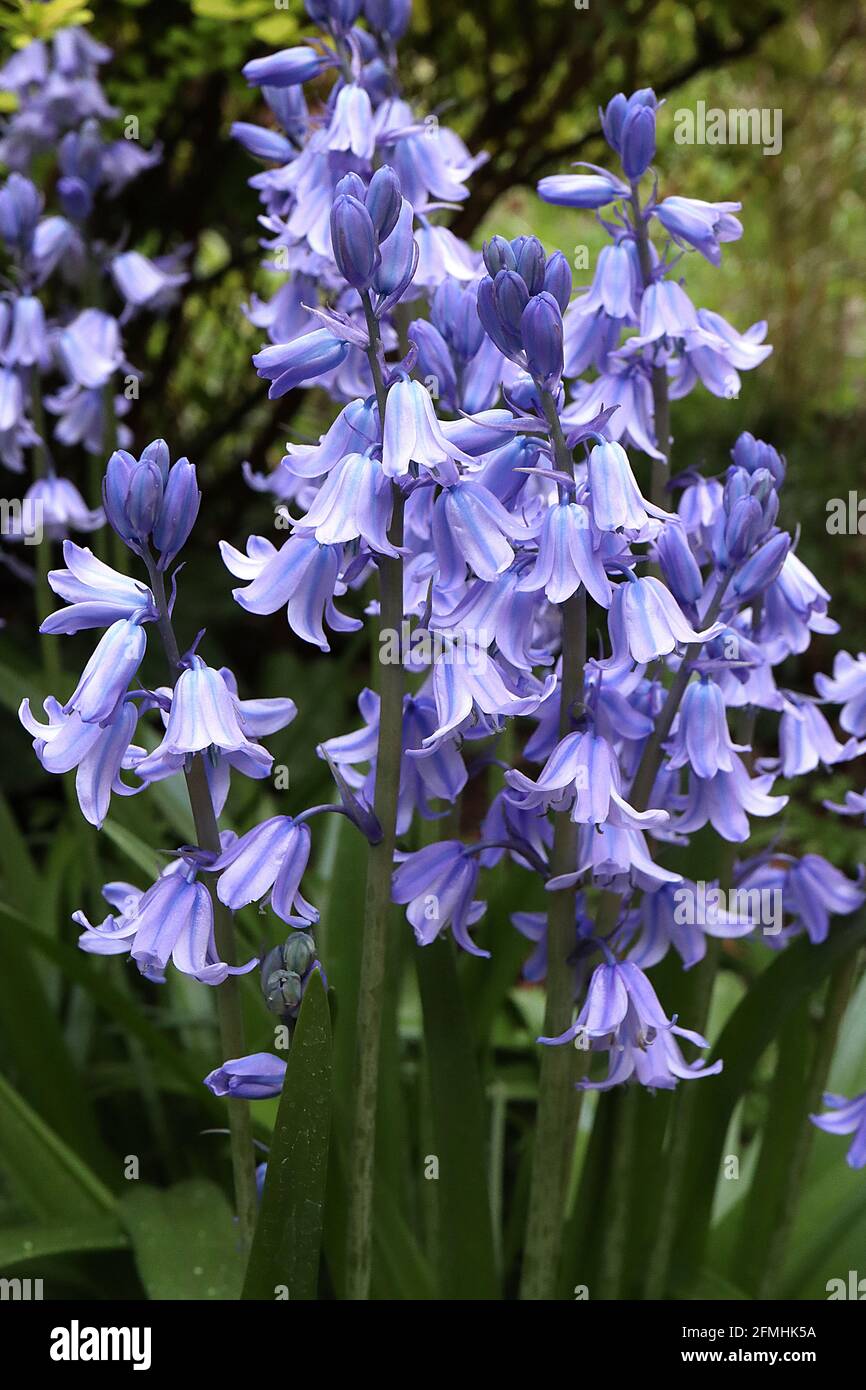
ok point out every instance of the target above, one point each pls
(399, 255)
(541, 330)
(288, 68)
(558, 279)
(638, 140)
(510, 297)
(353, 239)
(384, 201)
(283, 992)
(180, 504)
(352, 184)
(143, 500)
(530, 263)
(340, 14)
(389, 17)
(763, 567)
(679, 566)
(299, 952)
(434, 359)
(498, 255)
(612, 118)
(743, 528)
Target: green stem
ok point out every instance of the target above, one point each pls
(554, 1125)
(228, 1000)
(380, 860)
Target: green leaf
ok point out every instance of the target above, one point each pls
(19, 1244)
(185, 1241)
(134, 848)
(760, 1017)
(288, 1236)
(467, 1265)
(47, 1176)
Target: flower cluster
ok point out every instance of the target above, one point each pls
(55, 319)
(478, 470)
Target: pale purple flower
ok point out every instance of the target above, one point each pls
(270, 859)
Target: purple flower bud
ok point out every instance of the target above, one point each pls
(399, 255)
(763, 567)
(287, 68)
(541, 330)
(353, 238)
(612, 119)
(736, 488)
(75, 198)
(582, 190)
(287, 365)
(384, 201)
(352, 184)
(498, 255)
(530, 263)
(743, 528)
(180, 504)
(257, 1077)
(143, 500)
(434, 359)
(510, 297)
(558, 280)
(338, 14)
(389, 17)
(751, 453)
(20, 206)
(679, 566)
(638, 140)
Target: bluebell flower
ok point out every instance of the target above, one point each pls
(257, 1077)
(425, 774)
(412, 434)
(569, 554)
(99, 751)
(662, 923)
(593, 190)
(355, 501)
(845, 1116)
(286, 365)
(847, 687)
(96, 595)
(616, 283)
(58, 508)
(302, 574)
(812, 889)
(471, 526)
(705, 226)
(143, 282)
(351, 126)
(647, 622)
(204, 714)
(288, 68)
(105, 679)
(806, 739)
(726, 801)
(172, 920)
(91, 349)
(468, 684)
(615, 500)
(438, 885)
(269, 859)
(617, 858)
(582, 776)
(700, 738)
(28, 343)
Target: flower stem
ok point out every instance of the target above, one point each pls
(371, 984)
(228, 1000)
(554, 1124)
